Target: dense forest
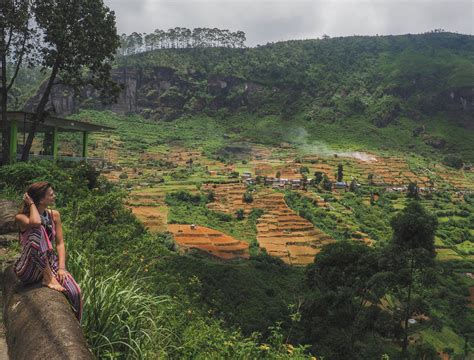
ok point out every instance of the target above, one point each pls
(179, 37)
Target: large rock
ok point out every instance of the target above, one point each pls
(8, 210)
(40, 323)
(157, 93)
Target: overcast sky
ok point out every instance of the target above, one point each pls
(268, 20)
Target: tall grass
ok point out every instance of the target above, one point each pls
(120, 320)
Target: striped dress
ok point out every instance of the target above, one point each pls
(37, 251)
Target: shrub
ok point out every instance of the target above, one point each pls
(239, 214)
(183, 196)
(211, 196)
(318, 176)
(453, 161)
(327, 184)
(20, 175)
(247, 197)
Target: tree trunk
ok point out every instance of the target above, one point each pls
(407, 313)
(39, 113)
(5, 128)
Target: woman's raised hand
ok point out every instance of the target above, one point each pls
(27, 199)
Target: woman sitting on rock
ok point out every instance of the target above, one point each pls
(39, 230)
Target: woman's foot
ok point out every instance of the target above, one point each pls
(50, 281)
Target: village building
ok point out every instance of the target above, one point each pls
(340, 185)
(249, 181)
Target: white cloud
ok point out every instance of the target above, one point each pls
(268, 20)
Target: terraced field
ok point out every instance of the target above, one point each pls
(280, 231)
(286, 235)
(149, 177)
(228, 197)
(153, 217)
(211, 241)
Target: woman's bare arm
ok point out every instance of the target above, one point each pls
(60, 247)
(33, 220)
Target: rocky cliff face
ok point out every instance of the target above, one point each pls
(160, 93)
(461, 98)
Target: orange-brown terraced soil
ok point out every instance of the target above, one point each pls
(263, 169)
(228, 197)
(458, 179)
(153, 217)
(286, 235)
(177, 156)
(289, 171)
(391, 171)
(208, 240)
(280, 231)
(147, 197)
(180, 157)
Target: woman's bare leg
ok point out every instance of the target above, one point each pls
(49, 280)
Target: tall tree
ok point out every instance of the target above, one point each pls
(135, 42)
(79, 40)
(340, 173)
(16, 46)
(149, 41)
(413, 251)
(159, 38)
(345, 291)
(413, 191)
(241, 38)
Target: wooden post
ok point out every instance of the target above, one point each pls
(85, 141)
(55, 143)
(13, 141)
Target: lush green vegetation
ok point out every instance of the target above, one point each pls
(141, 299)
(358, 216)
(352, 85)
(194, 306)
(385, 93)
(388, 95)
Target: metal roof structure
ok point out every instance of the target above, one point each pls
(24, 121)
(21, 121)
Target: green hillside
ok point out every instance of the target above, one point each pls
(392, 116)
(403, 93)
(363, 92)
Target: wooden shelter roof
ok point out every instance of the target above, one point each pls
(64, 125)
